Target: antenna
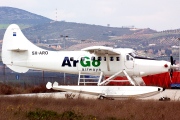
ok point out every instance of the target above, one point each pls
(56, 15)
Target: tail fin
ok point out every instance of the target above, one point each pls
(15, 49)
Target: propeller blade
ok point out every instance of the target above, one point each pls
(171, 73)
(172, 69)
(174, 62)
(171, 59)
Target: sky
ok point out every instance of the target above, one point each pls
(155, 14)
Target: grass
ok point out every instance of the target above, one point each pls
(84, 109)
(17, 89)
(36, 108)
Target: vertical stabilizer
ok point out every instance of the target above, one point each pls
(15, 49)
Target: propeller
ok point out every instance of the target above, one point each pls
(171, 70)
(173, 62)
(171, 59)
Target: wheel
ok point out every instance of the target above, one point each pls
(164, 99)
(101, 97)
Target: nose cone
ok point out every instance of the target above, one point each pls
(167, 65)
(152, 67)
(158, 67)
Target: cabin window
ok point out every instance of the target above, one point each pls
(82, 59)
(71, 58)
(99, 58)
(117, 59)
(92, 58)
(111, 59)
(104, 58)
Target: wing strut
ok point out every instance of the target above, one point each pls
(129, 78)
(105, 82)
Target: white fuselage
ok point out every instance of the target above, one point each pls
(70, 62)
(19, 54)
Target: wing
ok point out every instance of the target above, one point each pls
(101, 50)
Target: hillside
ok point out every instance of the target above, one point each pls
(75, 31)
(39, 29)
(9, 15)
(145, 40)
(43, 29)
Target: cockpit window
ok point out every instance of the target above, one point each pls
(128, 58)
(137, 56)
(133, 54)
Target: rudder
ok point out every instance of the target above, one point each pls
(15, 49)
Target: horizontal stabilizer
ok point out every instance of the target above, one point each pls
(49, 85)
(55, 84)
(18, 50)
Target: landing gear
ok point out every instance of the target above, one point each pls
(102, 97)
(164, 99)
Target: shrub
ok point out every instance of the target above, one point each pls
(40, 114)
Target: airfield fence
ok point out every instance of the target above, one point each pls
(36, 80)
(7, 76)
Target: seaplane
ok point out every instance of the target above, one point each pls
(101, 62)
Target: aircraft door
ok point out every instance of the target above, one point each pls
(129, 62)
